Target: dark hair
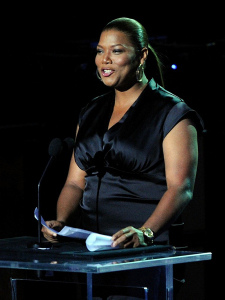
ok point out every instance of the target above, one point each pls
(139, 38)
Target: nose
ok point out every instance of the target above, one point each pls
(107, 59)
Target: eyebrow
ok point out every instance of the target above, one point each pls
(114, 45)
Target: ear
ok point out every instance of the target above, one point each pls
(144, 55)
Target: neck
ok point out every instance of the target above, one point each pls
(130, 95)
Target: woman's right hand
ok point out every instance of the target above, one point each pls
(48, 234)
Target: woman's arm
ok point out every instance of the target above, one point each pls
(71, 193)
(180, 149)
(68, 201)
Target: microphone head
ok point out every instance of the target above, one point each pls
(55, 147)
(69, 144)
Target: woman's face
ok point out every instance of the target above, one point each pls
(116, 59)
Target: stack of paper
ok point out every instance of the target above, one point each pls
(94, 241)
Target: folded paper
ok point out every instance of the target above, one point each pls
(94, 241)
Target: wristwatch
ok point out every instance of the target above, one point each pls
(148, 235)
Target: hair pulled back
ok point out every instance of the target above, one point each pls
(138, 36)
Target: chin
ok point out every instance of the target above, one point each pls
(109, 83)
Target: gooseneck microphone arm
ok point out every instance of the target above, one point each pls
(54, 150)
(39, 201)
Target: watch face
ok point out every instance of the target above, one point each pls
(149, 233)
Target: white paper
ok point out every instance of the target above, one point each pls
(97, 241)
(94, 241)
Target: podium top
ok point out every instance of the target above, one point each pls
(70, 257)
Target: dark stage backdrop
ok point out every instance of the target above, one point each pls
(49, 75)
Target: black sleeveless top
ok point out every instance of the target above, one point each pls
(125, 164)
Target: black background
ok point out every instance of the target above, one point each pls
(48, 74)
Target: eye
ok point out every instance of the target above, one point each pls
(99, 51)
(117, 51)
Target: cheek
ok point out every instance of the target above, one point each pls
(123, 61)
(128, 62)
(96, 60)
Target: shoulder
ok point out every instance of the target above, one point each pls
(97, 101)
(100, 98)
(95, 107)
(163, 94)
(175, 108)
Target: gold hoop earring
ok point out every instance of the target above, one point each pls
(139, 73)
(98, 76)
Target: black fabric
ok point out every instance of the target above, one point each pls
(125, 165)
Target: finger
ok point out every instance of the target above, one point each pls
(51, 239)
(126, 230)
(117, 235)
(123, 239)
(120, 233)
(48, 232)
(134, 241)
(126, 245)
(50, 224)
(136, 244)
(119, 241)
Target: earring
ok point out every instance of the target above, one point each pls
(98, 76)
(139, 73)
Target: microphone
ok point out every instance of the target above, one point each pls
(56, 148)
(67, 147)
(69, 144)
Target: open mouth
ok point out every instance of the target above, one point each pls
(107, 72)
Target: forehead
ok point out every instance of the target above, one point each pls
(114, 37)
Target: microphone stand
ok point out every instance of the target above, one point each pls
(56, 148)
(41, 244)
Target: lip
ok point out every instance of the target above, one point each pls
(106, 72)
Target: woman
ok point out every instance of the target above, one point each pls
(136, 147)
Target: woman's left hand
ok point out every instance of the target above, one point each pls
(128, 237)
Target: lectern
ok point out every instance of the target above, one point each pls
(73, 257)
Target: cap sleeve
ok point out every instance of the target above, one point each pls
(180, 111)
